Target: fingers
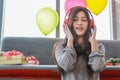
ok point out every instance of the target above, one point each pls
(92, 36)
(67, 32)
(95, 28)
(66, 29)
(94, 31)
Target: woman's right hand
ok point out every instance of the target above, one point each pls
(67, 32)
(68, 35)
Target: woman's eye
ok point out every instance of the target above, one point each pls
(84, 19)
(75, 19)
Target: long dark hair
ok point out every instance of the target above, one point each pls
(85, 51)
(72, 15)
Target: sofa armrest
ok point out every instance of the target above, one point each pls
(28, 67)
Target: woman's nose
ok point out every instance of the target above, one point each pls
(79, 21)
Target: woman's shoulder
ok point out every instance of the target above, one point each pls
(100, 43)
(101, 46)
(59, 43)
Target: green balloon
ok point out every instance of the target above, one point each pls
(47, 20)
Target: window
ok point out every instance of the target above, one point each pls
(102, 22)
(116, 18)
(20, 17)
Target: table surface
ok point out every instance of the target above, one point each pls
(29, 66)
(46, 67)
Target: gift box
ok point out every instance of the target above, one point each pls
(32, 60)
(1, 53)
(18, 59)
(113, 62)
(109, 64)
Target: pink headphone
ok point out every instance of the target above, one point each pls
(66, 18)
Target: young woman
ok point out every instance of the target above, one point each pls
(79, 56)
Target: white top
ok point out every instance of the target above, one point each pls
(76, 70)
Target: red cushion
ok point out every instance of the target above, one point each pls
(51, 74)
(110, 78)
(110, 73)
(21, 73)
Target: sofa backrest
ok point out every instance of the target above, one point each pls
(42, 47)
(112, 48)
(38, 47)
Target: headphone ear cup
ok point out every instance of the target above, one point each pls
(66, 21)
(92, 23)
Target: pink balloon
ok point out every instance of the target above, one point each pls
(72, 3)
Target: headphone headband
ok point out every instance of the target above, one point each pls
(66, 21)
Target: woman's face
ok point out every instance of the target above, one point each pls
(80, 23)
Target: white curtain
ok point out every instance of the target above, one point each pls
(117, 10)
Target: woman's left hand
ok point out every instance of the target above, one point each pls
(92, 36)
(93, 41)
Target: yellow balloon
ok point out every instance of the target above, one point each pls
(96, 6)
(47, 20)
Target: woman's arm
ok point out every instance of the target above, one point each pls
(97, 59)
(65, 57)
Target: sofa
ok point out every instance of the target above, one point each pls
(47, 70)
